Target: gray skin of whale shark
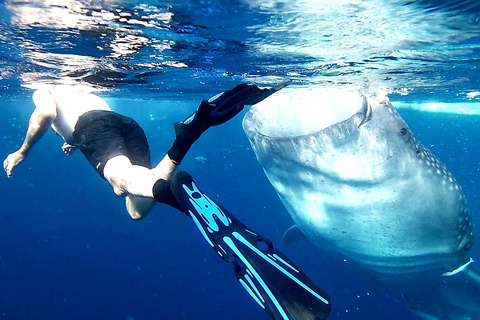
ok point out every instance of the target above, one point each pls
(364, 187)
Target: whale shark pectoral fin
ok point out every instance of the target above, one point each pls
(293, 234)
(459, 269)
(365, 110)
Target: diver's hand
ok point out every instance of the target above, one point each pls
(68, 149)
(13, 160)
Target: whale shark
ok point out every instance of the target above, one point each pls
(357, 182)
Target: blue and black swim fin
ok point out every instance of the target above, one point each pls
(212, 112)
(273, 281)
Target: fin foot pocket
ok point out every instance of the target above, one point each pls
(271, 279)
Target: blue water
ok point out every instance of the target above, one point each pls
(68, 249)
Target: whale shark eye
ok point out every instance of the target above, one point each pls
(403, 131)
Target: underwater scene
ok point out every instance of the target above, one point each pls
(363, 170)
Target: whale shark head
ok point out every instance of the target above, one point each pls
(355, 180)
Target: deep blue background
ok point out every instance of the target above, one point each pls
(68, 249)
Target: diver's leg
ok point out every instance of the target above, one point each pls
(138, 207)
(132, 181)
(127, 178)
(165, 168)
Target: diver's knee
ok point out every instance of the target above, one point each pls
(138, 207)
(118, 184)
(118, 188)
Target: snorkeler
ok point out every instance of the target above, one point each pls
(115, 145)
(117, 148)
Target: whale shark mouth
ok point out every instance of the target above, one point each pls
(355, 180)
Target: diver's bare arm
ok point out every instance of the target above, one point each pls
(40, 121)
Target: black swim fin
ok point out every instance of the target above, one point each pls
(272, 280)
(224, 106)
(212, 112)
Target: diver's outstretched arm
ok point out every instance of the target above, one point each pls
(40, 121)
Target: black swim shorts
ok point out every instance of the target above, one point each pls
(101, 135)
